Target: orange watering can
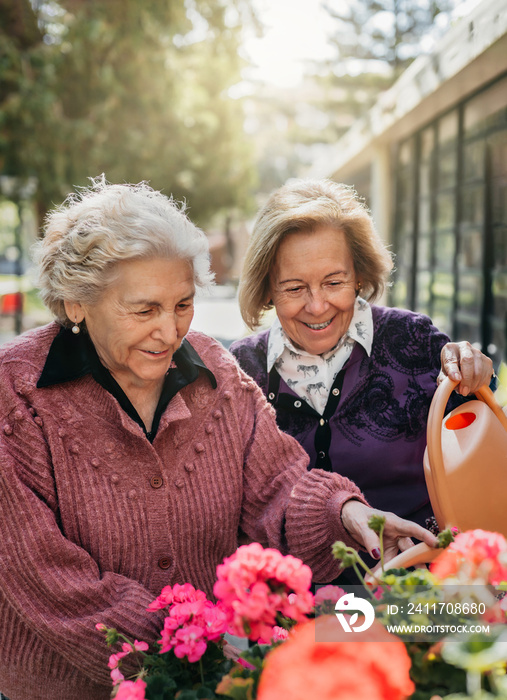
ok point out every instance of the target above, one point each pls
(465, 465)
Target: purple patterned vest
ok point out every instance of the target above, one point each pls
(374, 427)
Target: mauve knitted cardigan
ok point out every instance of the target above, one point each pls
(87, 534)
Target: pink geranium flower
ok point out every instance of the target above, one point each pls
(278, 634)
(129, 690)
(117, 676)
(255, 584)
(190, 642)
(328, 593)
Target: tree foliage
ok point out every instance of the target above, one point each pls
(136, 89)
(374, 41)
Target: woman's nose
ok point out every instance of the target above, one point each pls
(166, 329)
(317, 303)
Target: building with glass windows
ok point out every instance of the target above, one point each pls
(431, 160)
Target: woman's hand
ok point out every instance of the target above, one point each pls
(466, 365)
(397, 532)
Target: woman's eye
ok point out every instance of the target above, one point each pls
(145, 312)
(294, 290)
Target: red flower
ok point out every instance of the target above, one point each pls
(475, 554)
(337, 667)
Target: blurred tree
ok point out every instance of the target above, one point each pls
(375, 41)
(136, 89)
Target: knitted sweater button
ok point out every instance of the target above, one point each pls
(156, 482)
(179, 484)
(217, 414)
(61, 432)
(164, 562)
(8, 429)
(227, 395)
(95, 462)
(199, 447)
(132, 494)
(189, 467)
(208, 428)
(18, 415)
(38, 420)
(115, 478)
(74, 449)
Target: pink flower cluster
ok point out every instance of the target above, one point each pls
(193, 621)
(255, 584)
(130, 690)
(474, 555)
(115, 659)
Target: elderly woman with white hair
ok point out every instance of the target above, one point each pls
(133, 450)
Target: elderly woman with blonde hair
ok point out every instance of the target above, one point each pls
(133, 450)
(351, 381)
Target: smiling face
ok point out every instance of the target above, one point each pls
(141, 320)
(313, 288)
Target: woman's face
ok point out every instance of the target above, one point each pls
(141, 320)
(313, 287)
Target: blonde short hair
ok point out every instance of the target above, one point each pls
(305, 205)
(104, 224)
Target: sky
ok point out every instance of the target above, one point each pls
(294, 31)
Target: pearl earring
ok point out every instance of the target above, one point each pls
(75, 328)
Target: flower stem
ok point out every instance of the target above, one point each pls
(473, 682)
(201, 670)
(381, 537)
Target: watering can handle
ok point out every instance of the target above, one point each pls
(434, 436)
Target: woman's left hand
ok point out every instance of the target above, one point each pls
(397, 531)
(466, 365)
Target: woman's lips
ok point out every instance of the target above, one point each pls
(318, 326)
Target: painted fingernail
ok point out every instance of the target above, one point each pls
(375, 553)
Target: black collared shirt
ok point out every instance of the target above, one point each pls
(72, 356)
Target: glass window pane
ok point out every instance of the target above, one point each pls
(445, 210)
(500, 250)
(499, 287)
(473, 205)
(424, 252)
(470, 255)
(499, 197)
(473, 154)
(423, 294)
(444, 251)
(442, 309)
(447, 165)
(443, 285)
(499, 153)
(470, 293)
